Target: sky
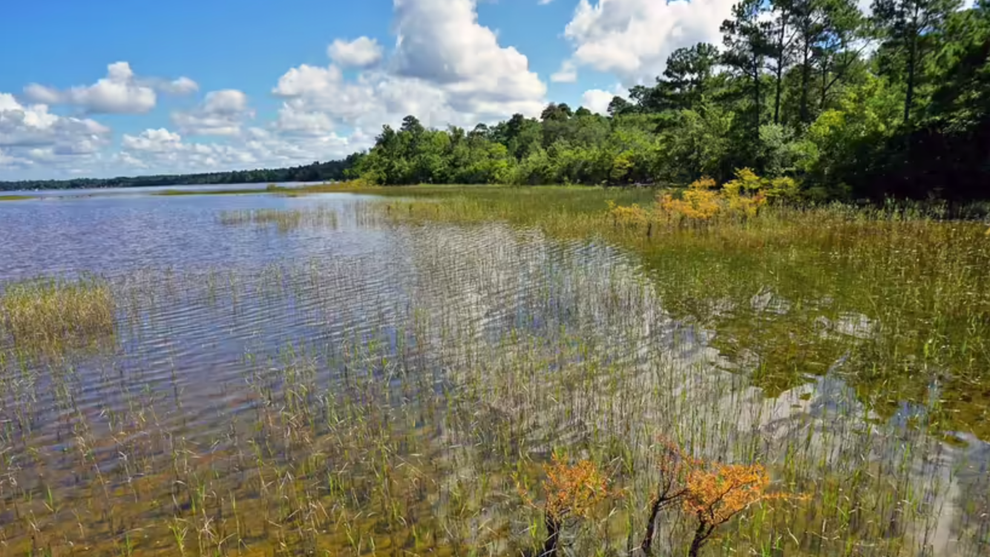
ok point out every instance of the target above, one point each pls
(102, 88)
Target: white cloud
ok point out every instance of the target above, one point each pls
(633, 38)
(180, 86)
(566, 74)
(152, 141)
(308, 80)
(359, 53)
(34, 139)
(35, 126)
(220, 113)
(295, 118)
(120, 92)
(441, 42)
(164, 151)
(597, 100)
(9, 160)
(446, 69)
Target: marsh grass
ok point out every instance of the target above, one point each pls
(54, 312)
(175, 192)
(283, 220)
(779, 285)
(399, 403)
(15, 197)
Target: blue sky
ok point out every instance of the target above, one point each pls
(114, 87)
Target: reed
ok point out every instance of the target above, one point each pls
(283, 220)
(49, 312)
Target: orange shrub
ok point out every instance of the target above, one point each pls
(573, 488)
(699, 202)
(712, 492)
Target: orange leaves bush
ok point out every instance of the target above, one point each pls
(712, 492)
(700, 202)
(703, 201)
(573, 488)
(724, 490)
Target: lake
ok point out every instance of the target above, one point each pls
(314, 375)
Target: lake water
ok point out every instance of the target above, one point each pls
(300, 375)
(144, 190)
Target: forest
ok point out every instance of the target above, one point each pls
(896, 103)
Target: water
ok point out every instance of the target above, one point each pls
(262, 381)
(144, 190)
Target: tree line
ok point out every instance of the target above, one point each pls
(896, 103)
(315, 172)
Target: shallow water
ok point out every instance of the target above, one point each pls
(252, 362)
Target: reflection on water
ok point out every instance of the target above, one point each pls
(364, 388)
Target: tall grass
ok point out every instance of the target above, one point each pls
(284, 220)
(53, 312)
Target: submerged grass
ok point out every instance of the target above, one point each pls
(414, 400)
(898, 294)
(284, 220)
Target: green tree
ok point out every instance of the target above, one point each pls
(911, 30)
(745, 39)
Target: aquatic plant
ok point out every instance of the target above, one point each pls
(52, 312)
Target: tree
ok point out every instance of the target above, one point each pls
(745, 40)
(556, 112)
(912, 29)
(619, 106)
(689, 71)
(412, 125)
(840, 39)
(779, 38)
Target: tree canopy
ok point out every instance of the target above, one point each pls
(892, 104)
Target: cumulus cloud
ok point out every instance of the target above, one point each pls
(359, 53)
(597, 100)
(442, 42)
(221, 113)
(180, 86)
(9, 160)
(35, 126)
(152, 141)
(446, 69)
(166, 151)
(566, 74)
(633, 38)
(120, 92)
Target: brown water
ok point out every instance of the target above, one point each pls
(354, 387)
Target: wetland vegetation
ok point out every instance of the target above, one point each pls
(735, 357)
(504, 371)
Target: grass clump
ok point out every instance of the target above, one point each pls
(173, 193)
(284, 220)
(52, 312)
